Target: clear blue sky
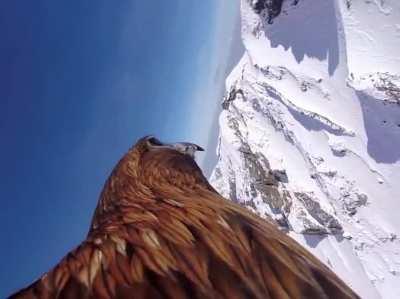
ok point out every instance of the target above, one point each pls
(80, 81)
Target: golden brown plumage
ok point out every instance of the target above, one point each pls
(161, 231)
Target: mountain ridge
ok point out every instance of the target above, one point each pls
(309, 132)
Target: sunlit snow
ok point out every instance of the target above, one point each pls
(310, 133)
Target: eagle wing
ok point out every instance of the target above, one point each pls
(201, 247)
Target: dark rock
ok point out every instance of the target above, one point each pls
(230, 97)
(272, 8)
(280, 175)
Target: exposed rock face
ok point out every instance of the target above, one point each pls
(268, 9)
(310, 132)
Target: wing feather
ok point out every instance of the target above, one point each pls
(175, 237)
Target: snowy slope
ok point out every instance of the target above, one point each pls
(310, 131)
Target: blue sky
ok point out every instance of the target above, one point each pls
(80, 82)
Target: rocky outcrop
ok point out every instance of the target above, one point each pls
(269, 9)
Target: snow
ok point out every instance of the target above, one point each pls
(310, 133)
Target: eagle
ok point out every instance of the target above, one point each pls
(160, 230)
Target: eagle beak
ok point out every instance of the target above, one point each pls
(186, 148)
(183, 147)
(199, 148)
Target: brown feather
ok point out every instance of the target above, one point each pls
(161, 231)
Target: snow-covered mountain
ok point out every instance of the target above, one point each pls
(310, 131)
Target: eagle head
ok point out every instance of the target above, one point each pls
(153, 165)
(166, 163)
(151, 168)
(151, 143)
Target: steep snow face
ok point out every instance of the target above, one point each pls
(310, 132)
